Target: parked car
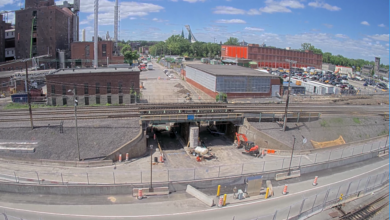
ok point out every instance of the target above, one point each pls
(365, 84)
(343, 86)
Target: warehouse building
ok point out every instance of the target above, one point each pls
(272, 57)
(93, 86)
(235, 81)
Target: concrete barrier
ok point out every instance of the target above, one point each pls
(18, 149)
(283, 176)
(199, 195)
(135, 147)
(62, 163)
(157, 191)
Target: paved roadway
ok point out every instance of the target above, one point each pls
(191, 208)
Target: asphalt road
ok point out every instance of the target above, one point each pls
(352, 180)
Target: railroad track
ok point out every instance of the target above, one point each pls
(368, 210)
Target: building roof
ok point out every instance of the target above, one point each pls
(97, 70)
(22, 74)
(226, 70)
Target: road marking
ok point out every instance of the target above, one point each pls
(192, 212)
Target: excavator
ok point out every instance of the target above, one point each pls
(249, 146)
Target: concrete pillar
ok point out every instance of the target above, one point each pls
(194, 135)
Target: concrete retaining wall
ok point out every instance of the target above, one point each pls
(135, 147)
(261, 139)
(62, 163)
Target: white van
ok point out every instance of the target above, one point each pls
(150, 66)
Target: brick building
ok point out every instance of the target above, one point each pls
(3, 27)
(272, 57)
(93, 86)
(82, 54)
(235, 81)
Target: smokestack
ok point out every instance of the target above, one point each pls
(83, 35)
(116, 21)
(96, 38)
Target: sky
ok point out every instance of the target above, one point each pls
(357, 29)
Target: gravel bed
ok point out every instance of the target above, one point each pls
(326, 129)
(97, 137)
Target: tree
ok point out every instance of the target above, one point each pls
(372, 72)
(305, 46)
(232, 41)
(128, 54)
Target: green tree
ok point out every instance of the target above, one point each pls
(129, 54)
(305, 46)
(232, 41)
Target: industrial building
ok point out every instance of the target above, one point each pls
(313, 87)
(42, 28)
(328, 67)
(272, 57)
(93, 86)
(235, 81)
(82, 54)
(3, 29)
(295, 89)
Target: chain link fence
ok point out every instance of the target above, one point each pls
(330, 197)
(162, 175)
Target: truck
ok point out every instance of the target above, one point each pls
(150, 66)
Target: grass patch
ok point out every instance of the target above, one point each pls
(25, 106)
(337, 120)
(384, 132)
(356, 120)
(323, 123)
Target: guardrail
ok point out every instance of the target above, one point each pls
(192, 117)
(161, 175)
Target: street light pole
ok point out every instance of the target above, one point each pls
(151, 167)
(75, 116)
(288, 93)
(292, 152)
(29, 97)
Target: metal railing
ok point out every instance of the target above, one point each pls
(161, 175)
(332, 196)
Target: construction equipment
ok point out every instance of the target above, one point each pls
(249, 146)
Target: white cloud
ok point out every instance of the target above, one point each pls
(231, 21)
(6, 2)
(341, 36)
(318, 4)
(132, 18)
(381, 25)
(282, 6)
(328, 25)
(387, 45)
(228, 10)
(381, 37)
(11, 17)
(193, 1)
(127, 9)
(158, 20)
(84, 22)
(253, 29)
(365, 23)
(253, 12)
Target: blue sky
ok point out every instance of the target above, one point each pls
(352, 28)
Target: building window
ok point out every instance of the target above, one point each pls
(86, 100)
(53, 89)
(98, 100)
(97, 88)
(53, 101)
(64, 101)
(108, 87)
(120, 99)
(86, 88)
(109, 99)
(104, 49)
(120, 88)
(63, 90)
(87, 50)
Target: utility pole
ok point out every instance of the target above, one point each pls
(29, 97)
(151, 168)
(288, 93)
(75, 116)
(292, 151)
